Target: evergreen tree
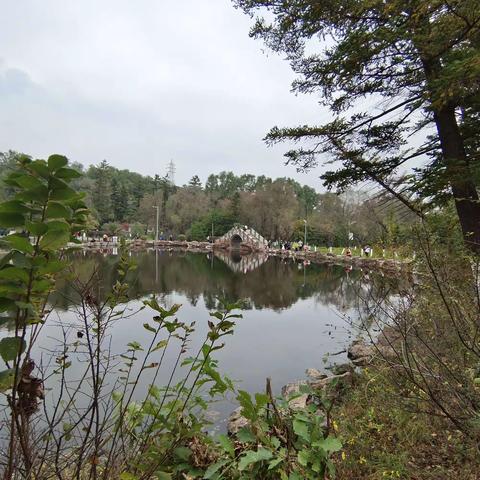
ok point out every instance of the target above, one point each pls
(195, 182)
(120, 200)
(102, 192)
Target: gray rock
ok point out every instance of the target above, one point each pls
(360, 353)
(341, 368)
(324, 382)
(315, 374)
(293, 388)
(299, 403)
(236, 421)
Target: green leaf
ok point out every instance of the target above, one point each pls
(273, 463)
(261, 399)
(67, 428)
(301, 429)
(39, 194)
(127, 476)
(19, 259)
(56, 161)
(43, 285)
(40, 167)
(295, 476)
(226, 444)
(53, 266)
(20, 243)
(57, 210)
(248, 407)
(329, 444)
(251, 457)
(245, 435)
(183, 453)
(14, 206)
(214, 468)
(216, 315)
(63, 194)
(303, 457)
(163, 475)
(67, 173)
(134, 346)
(9, 220)
(36, 228)
(58, 225)
(146, 326)
(160, 344)
(29, 182)
(10, 347)
(54, 239)
(14, 273)
(6, 304)
(6, 379)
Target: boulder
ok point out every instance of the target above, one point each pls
(360, 353)
(236, 421)
(293, 388)
(324, 382)
(341, 368)
(315, 374)
(301, 402)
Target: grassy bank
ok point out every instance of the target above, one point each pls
(384, 437)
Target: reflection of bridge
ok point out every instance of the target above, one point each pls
(238, 237)
(242, 263)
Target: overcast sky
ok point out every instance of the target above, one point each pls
(140, 83)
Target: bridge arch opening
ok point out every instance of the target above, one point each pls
(236, 241)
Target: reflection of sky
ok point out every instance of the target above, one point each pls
(279, 345)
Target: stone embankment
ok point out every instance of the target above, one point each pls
(382, 264)
(353, 262)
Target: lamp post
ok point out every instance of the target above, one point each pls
(305, 224)
(156, 228)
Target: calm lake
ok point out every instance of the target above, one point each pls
(296, 314)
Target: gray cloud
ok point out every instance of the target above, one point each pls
(140, 83)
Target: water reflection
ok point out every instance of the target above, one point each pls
(264, 282)
(296, 311)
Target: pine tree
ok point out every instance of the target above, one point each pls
(195, 182)
(102, 192)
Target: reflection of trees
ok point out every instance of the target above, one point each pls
(276, 284)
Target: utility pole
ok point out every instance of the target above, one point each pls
(156, 228)
(305, 233)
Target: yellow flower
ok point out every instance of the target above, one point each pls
(344, 455)
(362, 460)
(335, 425)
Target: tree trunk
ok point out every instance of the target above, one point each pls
(456, 163)
(459, 176)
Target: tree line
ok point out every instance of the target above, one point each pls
(277, 208)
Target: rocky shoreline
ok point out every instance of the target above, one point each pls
(360, 354)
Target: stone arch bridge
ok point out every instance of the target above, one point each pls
(242, 238)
